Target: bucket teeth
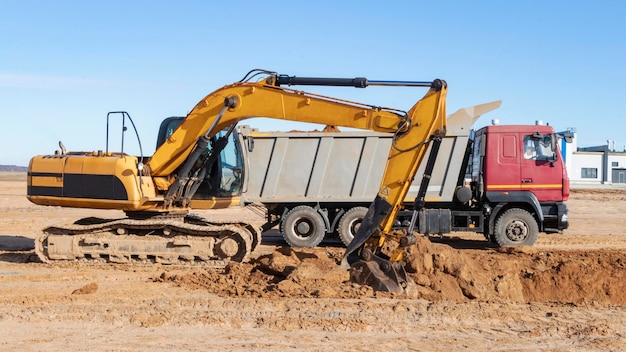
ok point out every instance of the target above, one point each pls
(382, 275)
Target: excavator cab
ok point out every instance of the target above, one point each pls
(224, 175)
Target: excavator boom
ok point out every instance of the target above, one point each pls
(265, 99)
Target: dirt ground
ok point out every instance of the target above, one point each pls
(568, 292)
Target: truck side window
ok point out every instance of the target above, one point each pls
(475, 163)
(538, 148)
(529, 149)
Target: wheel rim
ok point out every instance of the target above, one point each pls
(303, 228)
(517, 231)
(354, 226)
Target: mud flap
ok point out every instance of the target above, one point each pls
(382, 275)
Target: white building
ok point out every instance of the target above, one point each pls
(594, 165)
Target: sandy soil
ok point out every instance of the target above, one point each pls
(568, 292)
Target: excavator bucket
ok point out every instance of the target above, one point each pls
(381, 274)
(366, 268)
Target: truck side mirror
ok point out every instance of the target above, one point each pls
(250, 143)
(568, 136)
(553, 141)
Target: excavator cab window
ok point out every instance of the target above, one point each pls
(167, 128)
(230, 164)
(225, 177)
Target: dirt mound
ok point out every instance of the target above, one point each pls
(284, 273)
(326, 129)
(331, 128)
(87, 289)
(507, 275)
(517, 274)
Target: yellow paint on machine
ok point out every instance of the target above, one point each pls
(46, 181)
(215, 203)
(90, 203)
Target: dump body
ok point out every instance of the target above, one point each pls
(323, 167)
(337, 173)
(313, 166)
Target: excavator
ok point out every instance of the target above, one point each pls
(158, 193)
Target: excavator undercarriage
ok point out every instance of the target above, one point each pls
(165, 239)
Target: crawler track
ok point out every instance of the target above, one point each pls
(182, 240)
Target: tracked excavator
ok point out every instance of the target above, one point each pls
(158, 193)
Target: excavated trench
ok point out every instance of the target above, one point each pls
(506, 275)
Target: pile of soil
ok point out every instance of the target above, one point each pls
(331, 128)
(517, 274)
(326, 129)
(284, 273)
(506, 275)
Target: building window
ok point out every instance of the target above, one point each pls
(614, 164)
(589, 172)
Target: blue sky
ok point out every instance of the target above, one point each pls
(65, 64)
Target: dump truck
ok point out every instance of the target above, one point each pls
(315, 185)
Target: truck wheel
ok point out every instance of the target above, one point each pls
(349, 224)
(303, 226)
(516, 227)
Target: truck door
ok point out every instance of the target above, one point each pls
(541, 171)
(502, 166)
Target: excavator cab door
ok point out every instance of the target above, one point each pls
(229, 166)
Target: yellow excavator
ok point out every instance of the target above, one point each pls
(157, 193)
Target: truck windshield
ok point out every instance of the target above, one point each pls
(537, 147)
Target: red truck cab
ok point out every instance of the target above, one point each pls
(520, 174)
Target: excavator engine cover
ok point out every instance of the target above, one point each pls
(381, 274)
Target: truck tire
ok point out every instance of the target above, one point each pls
(516, 227)
(303, 226)
(349, 224)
